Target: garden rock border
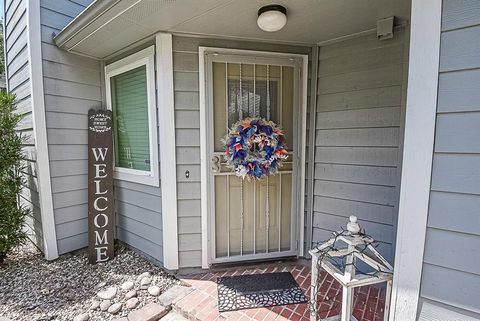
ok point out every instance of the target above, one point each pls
(67, 287)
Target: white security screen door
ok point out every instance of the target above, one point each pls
(254, 219)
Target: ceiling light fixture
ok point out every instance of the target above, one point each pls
(272, 17)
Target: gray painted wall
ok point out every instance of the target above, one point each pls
(451, 270)
(139, 217)
(187, 134)
(17, 66)
(72, 85)
(357, 154)
(138, 207)
(360, 109)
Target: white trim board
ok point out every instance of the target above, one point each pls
(40, 130)
(168, 168)
(203, 156)
(311, 151)
(302, 155)
(417, 157)
(4, 29)
(204, 150)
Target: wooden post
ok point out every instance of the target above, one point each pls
(347, 300)
(388, 294)
(100, 186)
(347, 291)
(313, 287)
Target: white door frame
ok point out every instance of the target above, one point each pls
(204, 141)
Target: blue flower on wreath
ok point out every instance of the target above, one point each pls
(255, 148)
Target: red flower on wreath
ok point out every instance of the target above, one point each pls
(255, 148)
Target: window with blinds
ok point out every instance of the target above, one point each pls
(131, 124)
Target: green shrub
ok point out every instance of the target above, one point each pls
(12, 214)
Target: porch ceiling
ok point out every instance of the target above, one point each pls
(108, 26)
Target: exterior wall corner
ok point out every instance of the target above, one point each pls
(40, 130)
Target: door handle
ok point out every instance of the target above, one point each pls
(216, 164)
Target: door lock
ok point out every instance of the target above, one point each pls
(216, 164)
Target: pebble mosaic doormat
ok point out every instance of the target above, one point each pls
(258, 290)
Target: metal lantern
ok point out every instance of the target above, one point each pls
(356, 246)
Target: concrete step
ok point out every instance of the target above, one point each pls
(176, 292)
(173, 316)
(150, 312)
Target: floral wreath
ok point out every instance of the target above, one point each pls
(255, 148)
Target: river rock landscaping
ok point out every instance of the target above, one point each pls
(69, 288)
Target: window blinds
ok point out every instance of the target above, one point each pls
(131, 125)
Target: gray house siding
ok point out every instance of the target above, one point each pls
(138, 207)
(17, 67)
(139, 217)
(187, 135)
(72, 85)
(451, 273)
(359, 130)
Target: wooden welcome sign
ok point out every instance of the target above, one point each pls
(100, 186)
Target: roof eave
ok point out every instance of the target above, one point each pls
(86, 17)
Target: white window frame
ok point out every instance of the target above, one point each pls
(145, 57)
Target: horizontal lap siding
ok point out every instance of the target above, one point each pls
(187, 136)
(71, 86)
(358, 137)
(18, 69)
(451, 276)
(139, 217)
(138, 208)
(187, 133)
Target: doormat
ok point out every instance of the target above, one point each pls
(258, 290)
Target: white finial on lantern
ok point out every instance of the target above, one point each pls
(353, 226)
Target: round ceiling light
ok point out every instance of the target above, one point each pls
(272, 17)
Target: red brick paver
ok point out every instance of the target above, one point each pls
(201, 303)
(150, 312)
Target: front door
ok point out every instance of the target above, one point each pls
(252, 219)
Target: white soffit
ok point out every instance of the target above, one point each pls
(309, 21)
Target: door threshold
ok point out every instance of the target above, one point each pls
(257, 263)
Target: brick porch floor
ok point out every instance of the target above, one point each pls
(201, 303)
